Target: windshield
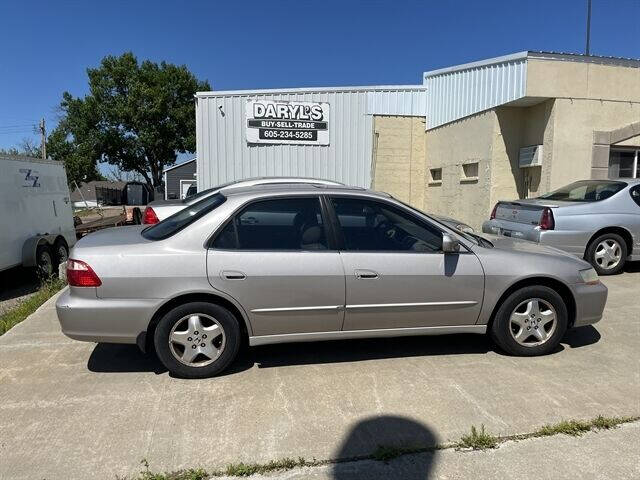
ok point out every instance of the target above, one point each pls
(586, 191)
(176, 222)
(465, 235)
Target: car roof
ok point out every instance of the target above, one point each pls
(296, 188)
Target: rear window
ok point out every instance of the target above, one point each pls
(586, 191)
(176, 222)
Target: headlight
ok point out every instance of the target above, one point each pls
(463, 227)
(589, 276)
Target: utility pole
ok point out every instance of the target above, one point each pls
(588, 26)
(43, 139)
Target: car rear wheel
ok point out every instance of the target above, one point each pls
(197, 340)
(607, 253)
(530, 322)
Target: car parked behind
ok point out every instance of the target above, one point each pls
(290, 263)
(598, 220)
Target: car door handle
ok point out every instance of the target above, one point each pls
(366, 274)
(233, 275)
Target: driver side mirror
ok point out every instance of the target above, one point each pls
(450, 244)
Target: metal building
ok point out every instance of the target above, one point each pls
(307, 132)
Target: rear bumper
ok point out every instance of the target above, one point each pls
(590, 303)
(574, 242)
(104, 320)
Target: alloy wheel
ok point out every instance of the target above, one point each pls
(608, 254)
(197, 340)
(533, 322)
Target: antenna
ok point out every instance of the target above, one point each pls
(588, 26)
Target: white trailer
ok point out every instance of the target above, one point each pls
(36, 218)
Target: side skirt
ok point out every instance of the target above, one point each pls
(382, 332)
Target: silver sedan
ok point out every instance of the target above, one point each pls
(289, 263)
(598, 220)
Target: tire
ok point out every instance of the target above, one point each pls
(607, 253)
(45, 264)
(60, 251)
(190, 354)
(519, 309)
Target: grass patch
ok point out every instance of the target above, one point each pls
(578, 427)
(478, 440)
(247, 469)
(25, 308)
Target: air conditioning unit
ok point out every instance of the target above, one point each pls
(530, 156)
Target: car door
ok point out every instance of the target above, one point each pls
(273, 257)
(396, 273)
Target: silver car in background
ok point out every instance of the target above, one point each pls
(296, 263)
(598, 220)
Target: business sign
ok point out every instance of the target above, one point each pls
(279, 121)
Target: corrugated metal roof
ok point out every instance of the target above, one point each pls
(462, 90)
(458, 92)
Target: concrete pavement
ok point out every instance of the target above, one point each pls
(73, 410)
(603, 455)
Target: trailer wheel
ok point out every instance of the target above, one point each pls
(61, 251)
(44, 261)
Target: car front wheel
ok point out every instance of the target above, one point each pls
(197, 340)
(530, 322)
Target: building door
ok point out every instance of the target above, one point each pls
(624, 163)
(396, 273)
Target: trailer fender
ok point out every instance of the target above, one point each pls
(30, 247)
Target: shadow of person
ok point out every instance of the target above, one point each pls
(385, 437)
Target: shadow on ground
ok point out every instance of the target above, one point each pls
(113, 358)
(384, 436)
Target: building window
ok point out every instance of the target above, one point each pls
(469, 172)
(624, 163)
(436, 176)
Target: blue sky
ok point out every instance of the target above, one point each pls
(47, 46)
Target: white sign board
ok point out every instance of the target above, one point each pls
(279, 121)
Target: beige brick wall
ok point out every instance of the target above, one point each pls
(399, 157)
(450, 147)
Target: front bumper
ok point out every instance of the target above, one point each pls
(104, 320)
(590, 303)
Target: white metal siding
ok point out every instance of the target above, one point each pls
(223, 154)
(455, 94)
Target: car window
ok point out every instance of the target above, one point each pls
(375, 226)
(586, 191)
(176, 222)
(279, 224)
(635, 194)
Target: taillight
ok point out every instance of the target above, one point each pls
(546, 220)
(493, 212)
(79, 274)
(149, 216)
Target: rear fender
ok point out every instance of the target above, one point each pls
(30, 248)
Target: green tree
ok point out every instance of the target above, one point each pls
(137, 117)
